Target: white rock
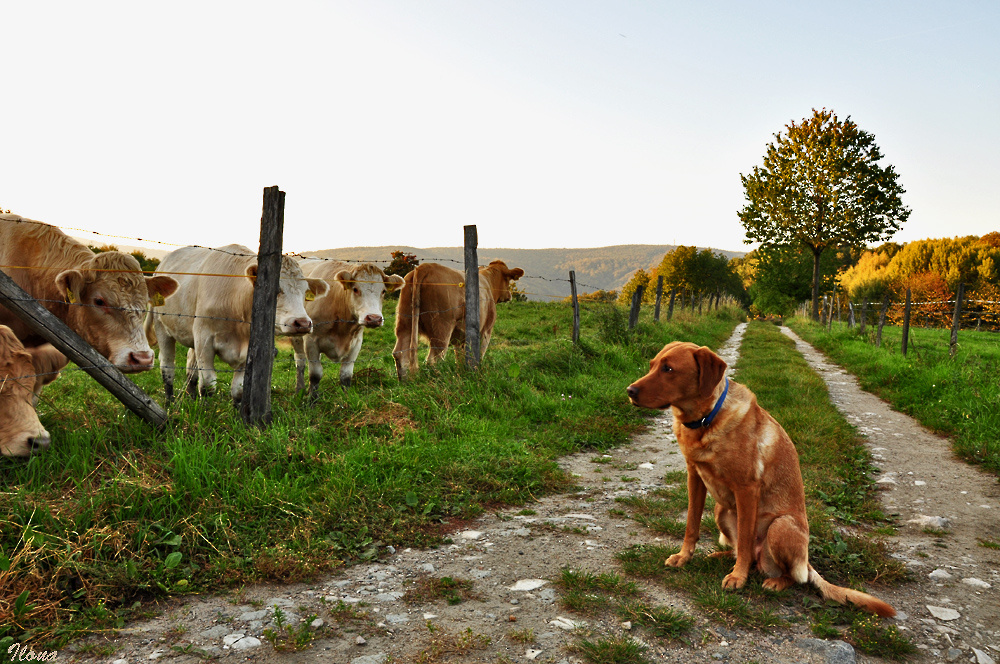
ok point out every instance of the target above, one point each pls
(156, 654)
(360, 641)
(430, 616)
(885, 479)
(627, 625)
(925, 521)
(316, 624)
(939, 575)
(120, 661)
(943, 613)
(528, 584)
(982, 657)
(246, 643)
(647, 465)
(566, 623)
(232, 638)
(531, 654)
(978, 583)
(589, 517)
(427, 567)
(470, 534)
(919, 483)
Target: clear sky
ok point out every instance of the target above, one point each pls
(546, 123)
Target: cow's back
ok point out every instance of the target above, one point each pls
(212, 282)
(43, 248)
(334, 305)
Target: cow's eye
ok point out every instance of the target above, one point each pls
(99, 301)
(357, 290)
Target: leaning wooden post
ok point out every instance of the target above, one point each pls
(45, 324)
(659, 297)
(576, 307)
(956, 320)
(633, 313)
(881, 320)
(471, 297)
(670, 307)
(906, 322)
(256, 404)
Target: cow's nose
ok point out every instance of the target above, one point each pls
(39, 443)
(142, 359)
(373, 320)
(302, 325)
(632, 391)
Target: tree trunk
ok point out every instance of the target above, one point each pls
(815, 293)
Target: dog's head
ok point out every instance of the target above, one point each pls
(680, 375)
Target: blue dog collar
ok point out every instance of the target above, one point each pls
(707, 420)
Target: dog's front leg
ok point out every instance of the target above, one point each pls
(696, 505)
(746, 527)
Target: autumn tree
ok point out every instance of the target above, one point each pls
(402, 263)
(821, 186)
(640, 278)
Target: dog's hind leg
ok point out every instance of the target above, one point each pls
(784, 554)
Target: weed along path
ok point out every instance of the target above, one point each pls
(946, 511)
(553, 581)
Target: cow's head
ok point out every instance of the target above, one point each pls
(290, 317)
(366, 286)
(503, 277)
(108, 297)
(21, 434)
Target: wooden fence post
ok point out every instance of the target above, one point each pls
(633, 313)
(906, 322)
(881, 320)
(659, 298)
(576, 307)
(670, 307)
(829, 317)
(956, 320)
(822, 312)
(850, 317)
(256, 403)
(472, 297)
(44, 323)
(864, 314)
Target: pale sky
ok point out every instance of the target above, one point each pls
(546, 123)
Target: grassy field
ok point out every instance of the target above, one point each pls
(840, 493)
(117, 510)
(958, 397)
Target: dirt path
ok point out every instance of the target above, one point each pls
(505, 551)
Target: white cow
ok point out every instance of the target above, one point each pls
(353, 303)
(211, 314)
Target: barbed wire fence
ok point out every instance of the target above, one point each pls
(287, 369)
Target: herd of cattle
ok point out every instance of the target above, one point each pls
(203, 298)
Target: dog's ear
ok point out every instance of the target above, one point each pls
(711, 369)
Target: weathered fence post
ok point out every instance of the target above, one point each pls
(822, 312)
(472, 297)
(881, 320)
(864, 314)
(956, 320)
(633, 313)
(670, 307)
(44, 323)
(850, 317)
(576, 307)
(906, 322)
(256, 404)
(659, 297)
(701, 300)
(829, 317)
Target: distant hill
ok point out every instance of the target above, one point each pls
(546, 270)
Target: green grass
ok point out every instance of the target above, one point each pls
(835, 469)
(116, 513)
(957, 397)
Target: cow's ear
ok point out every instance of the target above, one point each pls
(159, 287)
(346, 279)
(392, 282)
(711, 370)
(70, 284)
(515, 274)
(252, 273)
(318, 288)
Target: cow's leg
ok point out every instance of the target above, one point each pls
(298, 347)
(236, 389)
(191, 374)
(315, 367)
(404, 354)
(439, 340)
(168, 356)
(204, 350)
(347, 365)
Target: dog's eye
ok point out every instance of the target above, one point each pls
(665, 368)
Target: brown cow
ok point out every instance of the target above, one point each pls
(48, 362)
(340, 317)
(435, 296)
(102, 297)
(21, 434)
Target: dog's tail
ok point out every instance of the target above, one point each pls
(849, 596)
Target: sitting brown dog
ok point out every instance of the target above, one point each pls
(742, 456)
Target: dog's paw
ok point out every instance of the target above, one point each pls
(733, 581)
(725, 553)
(677, 560)
(778, 583)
